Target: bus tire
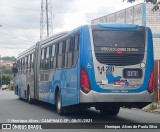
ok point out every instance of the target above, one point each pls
(16, 90)
(19, 93)
(110, 111)
(29, 99)
(59, 107)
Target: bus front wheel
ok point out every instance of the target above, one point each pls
(59, 107)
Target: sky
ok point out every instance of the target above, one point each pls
(20, 19)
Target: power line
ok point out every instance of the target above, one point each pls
(15, 37)
(19, 8)
(9, 25)
(13, 26)
(13, 44)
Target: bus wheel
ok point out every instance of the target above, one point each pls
(29, 99)
(19, 93)
(110, 111)
(59, 107)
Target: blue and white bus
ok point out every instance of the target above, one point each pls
(106, 66)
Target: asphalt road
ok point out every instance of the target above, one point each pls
(11, 108)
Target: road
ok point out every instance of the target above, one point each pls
(13, 108)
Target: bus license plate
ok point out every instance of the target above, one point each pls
(132, 73)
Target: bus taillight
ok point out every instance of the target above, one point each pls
(151, 81)
(85, 85)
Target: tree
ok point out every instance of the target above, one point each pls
(6, 78)
(7, 58)
(156, 3)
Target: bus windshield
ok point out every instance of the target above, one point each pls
(119, 38)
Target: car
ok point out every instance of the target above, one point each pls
(4, 87)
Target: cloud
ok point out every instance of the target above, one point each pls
(21, 19)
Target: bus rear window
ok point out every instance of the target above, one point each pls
(117, 38)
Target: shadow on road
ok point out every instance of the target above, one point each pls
(84, 114)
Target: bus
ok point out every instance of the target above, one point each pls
(106, 66)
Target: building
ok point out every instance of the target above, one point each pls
(140, 14)
(6, 64)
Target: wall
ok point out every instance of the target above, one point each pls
(153, 21)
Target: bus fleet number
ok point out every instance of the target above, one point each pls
(107, 69)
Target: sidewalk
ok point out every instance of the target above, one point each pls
(153, 107)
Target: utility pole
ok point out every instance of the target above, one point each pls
(46, 27)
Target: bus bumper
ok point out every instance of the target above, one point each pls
(95, 97)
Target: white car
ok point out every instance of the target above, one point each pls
(4, 87)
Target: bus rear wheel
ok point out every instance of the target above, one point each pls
(113, 111)
(29, 99)
(59, 107)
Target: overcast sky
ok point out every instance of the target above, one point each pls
(20, 19)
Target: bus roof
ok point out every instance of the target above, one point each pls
(117, 26)
(53, 37)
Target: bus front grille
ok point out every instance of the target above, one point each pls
(119, 60)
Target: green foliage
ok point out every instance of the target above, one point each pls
(7, 58)
(6, 72)
(150, 1)
(11, 87)
(6, 78)
(156, 3)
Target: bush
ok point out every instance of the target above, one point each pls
(11, 87)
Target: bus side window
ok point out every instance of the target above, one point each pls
(26, 64)
(53, 58)
(47, 58)
(66, 51)
(76, 48)
(67, 45)
(17, 64)
(42, 59)
(32, 62)
(20, 66)
(59, 56)
(29, 63)
(70, 54)
(56, 55)
(63, 53)
(23, 67)
(50, 56)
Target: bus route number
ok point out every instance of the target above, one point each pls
(107, 69)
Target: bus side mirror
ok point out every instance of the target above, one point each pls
(14, 69)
